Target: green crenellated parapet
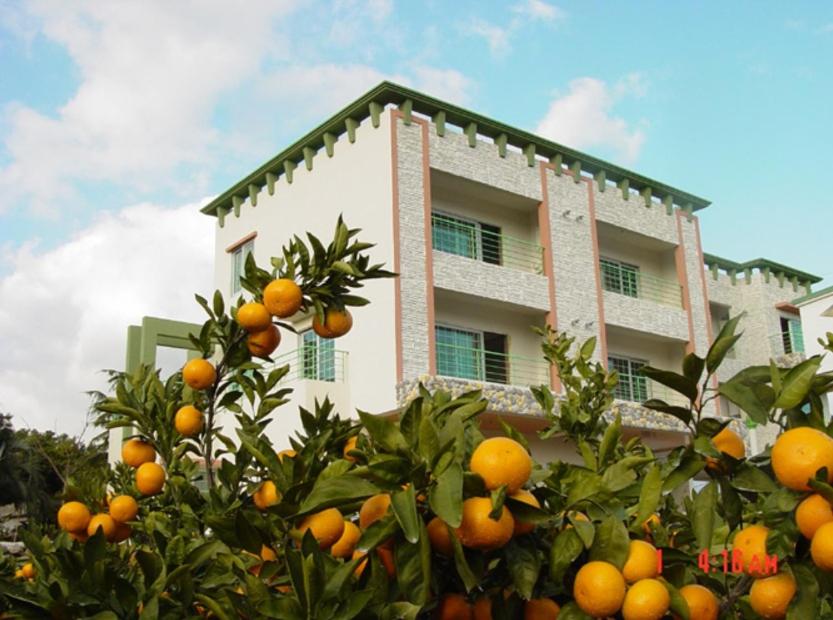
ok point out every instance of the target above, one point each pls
(375, 109)
(601, 180)
(575, 168)
(439, 123)
(351, 125)
(254, 190)
(271, 179)
(624, 186)
(501, 141)
(236, 203)
(529, 151)
(647, 195)
(407, 109)
(288, 168)
(668, 201)
(471, 133)
(557, 162)
(309, 154)
(330, 140)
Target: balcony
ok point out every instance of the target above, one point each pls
(482, 242)
(787, 347)
(629, 281)
(314, 364)
(484, 366)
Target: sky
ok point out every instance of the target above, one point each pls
(119, 119)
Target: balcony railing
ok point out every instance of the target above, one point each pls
(631, 282)
(786, 343)
(640, 389)
(314, 364)
(477, 242)
(489, 366)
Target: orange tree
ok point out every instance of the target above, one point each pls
(418, 514)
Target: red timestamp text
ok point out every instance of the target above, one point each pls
(733, 562)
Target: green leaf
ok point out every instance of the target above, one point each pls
(731, 503)
(649, 495)
(611, 438)
(702, 515)
(219, 307)
(571, 611)
(722, 344)
(681, 413)
(587, 454)
(384, 432)
(797, 383)
(745, 397)
(413, 567)
(693, 366)
(676, 382)
(405, 509)
(524, 563)
(247, 535)
(462, 564)
(750, 478)
(822, 488)
(805, 603)
(678, 606)
(611, 543)
(564, 550)
(446, 496)
(335, 492)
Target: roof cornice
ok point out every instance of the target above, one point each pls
(373, 102)
(765, 266)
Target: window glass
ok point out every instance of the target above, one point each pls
(632, 385)
(317, 357)
(796, 336)
(459, 353)
(454, 235)
(238, 264)
(620, 277)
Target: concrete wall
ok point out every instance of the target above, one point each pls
(816, 326)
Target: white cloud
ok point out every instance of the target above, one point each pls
(151, 73)
(584, 117)
(65, 312)
(499, 37)
(495, 36)
(538, 9)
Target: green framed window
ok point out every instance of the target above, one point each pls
(632, 386)
(317, 357)
(792, 335)
(238, 264)
(619, 277)
(459, 353)
(455, 235)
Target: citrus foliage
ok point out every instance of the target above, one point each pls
(419, 514)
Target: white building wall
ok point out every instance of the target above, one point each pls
(815, 325)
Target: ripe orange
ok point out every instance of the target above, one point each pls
(478, 531)
(136, 452)
(769, 597)
(336, 323)
(373, 509)
(344, 546)
(267, 554)
(482, 609)
(798, 454)
(266, 495)
(454, 607)
(647, 599)
(541, 609)
(523, 527)
(123, 508)
(289, 454)
(439, 536)
(350, 444)
(253, 317)
(499, 461)
(188, 420)
(74, 517)
(599, 589)
(728, 442)
(360, 566)
(199, 374)
(751, 542)
(104, 523)
(79, 536)
(326, 526)
(385, 553)
(702, 603)
(27, 571)
(641, 562)
(821, 547)
(811, 514)
(263, 343)
(282, 297)
(150, 478)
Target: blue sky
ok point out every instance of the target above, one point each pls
(110, 112)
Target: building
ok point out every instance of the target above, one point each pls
(493, 230)
(817, 321)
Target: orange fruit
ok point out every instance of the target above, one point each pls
(150, 478)
(702, 603)
(122, 532)
(728, 442)
(373, 509)
(479, 531)
(798, 454)
(522, 527)
(123, 508)
(482, 609)
(649, 524)
(454, 607)
(385, 554)
(360, 566)
(647, 599)
(267, 554)
(326, 526)
(104, 523)
(769, 597)
(641, 562)
(821, 547)
(188, 420)
(599, 589)
(541, 609)
(344, 546)
(136, 452)
(267, 494)
(27, 571)
(439, 536)
(350, 444)
(253, 317)
(289, 454)
(811, 514)
(499, 461)
(74, 517)
(199, 374)
(751, 542)
(263, 343)
(282, 297)
(79, 536)
(336, 323)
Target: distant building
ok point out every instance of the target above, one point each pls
(494, 230)
(816, 321)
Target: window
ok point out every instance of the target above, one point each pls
(317, 357)
(470, 354)
(620, 277)
(238, 264)
(791, 335)
(456, 235)
(632, 385)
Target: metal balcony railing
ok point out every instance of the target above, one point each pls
(629, 281)
(490, 367)
(475, 241)
(639, 389)
(786, 343)
(314, 364)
